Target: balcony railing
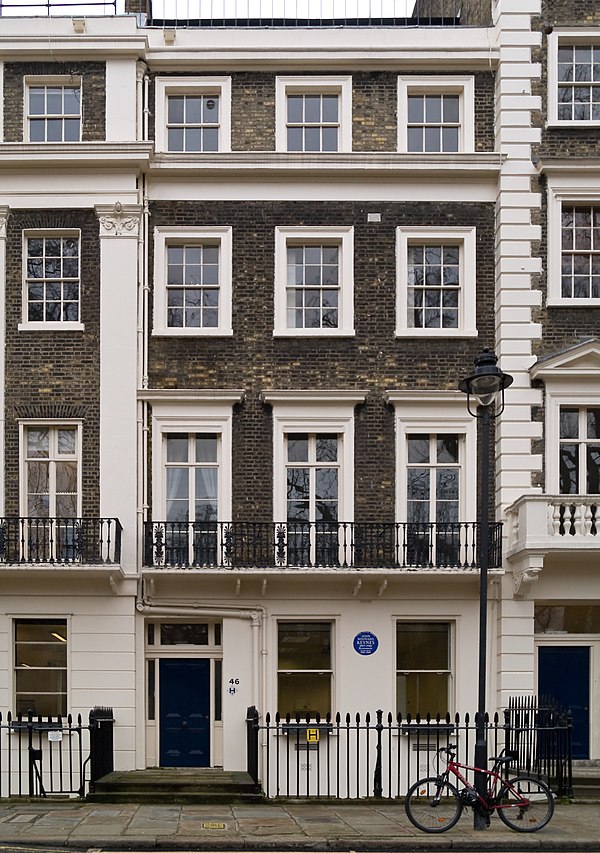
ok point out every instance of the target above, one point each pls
(307, 545)
(541, 523)
(305, 13)
(67, 541)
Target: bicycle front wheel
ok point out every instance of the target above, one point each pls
(532, 815)
(433, 806)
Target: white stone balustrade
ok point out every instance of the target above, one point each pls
(553, 522)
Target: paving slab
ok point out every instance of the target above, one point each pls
(281, 826)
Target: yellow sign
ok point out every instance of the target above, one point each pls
(312, 736)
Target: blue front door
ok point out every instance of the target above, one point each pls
(564, 674)
(184, 713)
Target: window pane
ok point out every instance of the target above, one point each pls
(67, 439)
(177, 448)
(206, 448)
(418, 486)
(569, 473)
(41, 666)
(593, 423)
(66, 477)
(422, 693)
(593, 469)
(326, 448)
(304, 645)
(451, 109)
(416, 109)
(569, 423)
(418, 448)
(422, 645)
(177, 634)
(297, 444)
(572, 618)
(304, 693)
(447, 448)
(37, 443)
(38, 478)
(41, 631)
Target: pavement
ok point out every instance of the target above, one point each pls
(274, 826)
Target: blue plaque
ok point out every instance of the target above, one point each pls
(366, 643)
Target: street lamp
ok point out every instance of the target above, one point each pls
(484, 386)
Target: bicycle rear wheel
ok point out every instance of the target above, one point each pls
(537, 812)
(433, 806)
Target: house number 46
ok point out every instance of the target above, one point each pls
(233, 685)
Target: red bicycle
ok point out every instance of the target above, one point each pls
(435, 804)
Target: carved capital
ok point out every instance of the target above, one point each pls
(119, 220)
(4, 214)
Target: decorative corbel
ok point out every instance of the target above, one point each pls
(527, 573)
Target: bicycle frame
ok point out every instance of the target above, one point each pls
(489, 804)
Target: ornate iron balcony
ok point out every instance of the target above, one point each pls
(83, 541)
(328, 545)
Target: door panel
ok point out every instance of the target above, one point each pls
(184, 713)
(564, 674)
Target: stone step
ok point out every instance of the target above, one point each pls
(185, 785)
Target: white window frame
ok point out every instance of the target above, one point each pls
(465, 238)
(50, 424)
(463, 86)
(344, 238)
(37, 617)
(165, 86)
(557, 397)
(48, 325)
(570, 36)
(439, 412)
(559, 193)
(314, 412)
(452, 623)
(165, 236)
(187, 415)
(63, 80)
(322, 85)
(291, 618)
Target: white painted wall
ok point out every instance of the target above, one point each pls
(119, 229)
(101, 657)
(121, 106)
(238, 664)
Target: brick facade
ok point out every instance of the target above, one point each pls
(374, 359)
(374, 110)
(53, 375)
(93, 83)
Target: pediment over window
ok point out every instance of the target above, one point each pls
(578, 362)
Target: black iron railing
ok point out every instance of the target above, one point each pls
(353, 756)
(51, 756)
(309, 13)
(48, 8)
(303, 544)
(88, 541)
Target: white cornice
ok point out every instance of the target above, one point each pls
(77, 155)
(574, 165)
(473, 165)
(37, 48)
(434, 397)
(190, 395)
(299, 396)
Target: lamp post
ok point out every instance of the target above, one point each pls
(484, 385)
